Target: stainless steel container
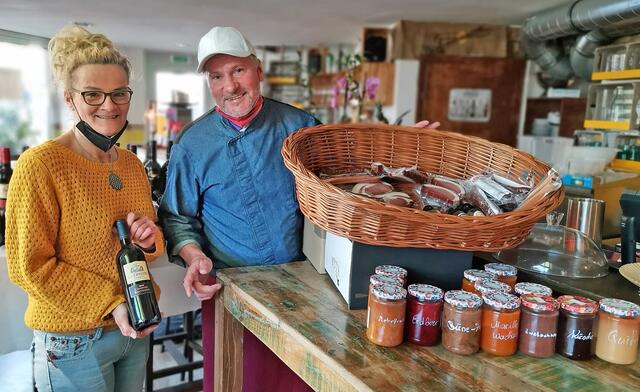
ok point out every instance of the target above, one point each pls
(586, 215)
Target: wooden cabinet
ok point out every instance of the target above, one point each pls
(571, 111)
(499, 80)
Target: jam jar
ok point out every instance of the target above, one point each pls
(386, 313)
(538, 325)
(506, 273)
(378, 279)
(392, 270)
(500, 321)
(522, 288)
(470, 277)
(461, 318)
(576, 327)
(485, 286)
(424, 309)
(618, 328)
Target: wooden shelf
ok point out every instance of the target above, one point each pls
(626, 165)
(571, 110)
(616, 75)
(322, 84)
(609, 125)
(280, 79)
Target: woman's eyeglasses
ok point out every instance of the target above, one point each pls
(97, 98)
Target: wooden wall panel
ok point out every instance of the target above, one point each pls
(504, 76)
(412, 40)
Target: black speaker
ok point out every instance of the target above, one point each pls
(315, 62)
(375, 48)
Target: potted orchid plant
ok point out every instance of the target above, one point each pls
(354, 92)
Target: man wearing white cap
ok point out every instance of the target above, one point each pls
(229, 198)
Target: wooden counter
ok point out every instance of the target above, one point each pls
(299, 315)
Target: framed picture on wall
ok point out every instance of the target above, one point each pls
(469, 105)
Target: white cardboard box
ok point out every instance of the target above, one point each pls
(313, 244)
(337, 263)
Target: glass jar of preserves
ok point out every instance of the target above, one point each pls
(424, 309)
(506, 273)
(538, 325)
(470, 277)
(522, 288)
(500, 321)
(393, 270)
(485, 286)
(618, 328)
(576, 327)
(386, 313)
(461, 318)
(380, 279)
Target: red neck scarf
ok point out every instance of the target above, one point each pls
(246, 119)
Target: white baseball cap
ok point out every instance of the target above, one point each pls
(223, 40)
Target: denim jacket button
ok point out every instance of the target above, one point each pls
(76, 341)
(91, 336)
(53, 339)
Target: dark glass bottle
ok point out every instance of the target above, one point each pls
(5, 176)
(161, 183)
(135, 281)
(151, 164)
(133, 148)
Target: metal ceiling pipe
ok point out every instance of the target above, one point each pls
(614, 18)
(581, 54)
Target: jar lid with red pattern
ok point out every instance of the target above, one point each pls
(475, 274)
(620, 307)
(501, 301)
(390, 292)
(425, 292)
(501, 269)
(463, 299)
(539, 303)
(387, 279)
(391, 270)
(577, 304)
(485, 286)
(522, 288)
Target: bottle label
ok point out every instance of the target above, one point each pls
(138, 289)
(135, 271)
(3, 190)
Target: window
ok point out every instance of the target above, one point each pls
(25, 93)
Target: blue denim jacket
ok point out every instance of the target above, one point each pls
(229, 191)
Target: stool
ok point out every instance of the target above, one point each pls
(184, 358)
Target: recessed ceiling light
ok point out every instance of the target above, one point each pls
(83, 24)
(183, 45)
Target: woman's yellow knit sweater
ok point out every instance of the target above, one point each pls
(61, 248)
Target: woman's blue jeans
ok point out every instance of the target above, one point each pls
(93, 362)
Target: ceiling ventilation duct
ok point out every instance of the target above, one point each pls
(595, 22)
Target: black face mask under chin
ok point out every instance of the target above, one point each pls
(102, 142)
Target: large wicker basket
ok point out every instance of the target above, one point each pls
(352, 148)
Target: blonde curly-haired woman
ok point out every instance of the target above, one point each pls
(64, 197)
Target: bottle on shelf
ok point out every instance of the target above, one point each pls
(151, 164)
(133, 148)
(5, 176)
(136, 281)
(162, 175)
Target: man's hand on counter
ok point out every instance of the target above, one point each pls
(197, 278)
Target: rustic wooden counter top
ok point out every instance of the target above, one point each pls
(299, 315)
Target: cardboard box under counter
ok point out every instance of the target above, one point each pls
(313, 240)
(349, 264)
